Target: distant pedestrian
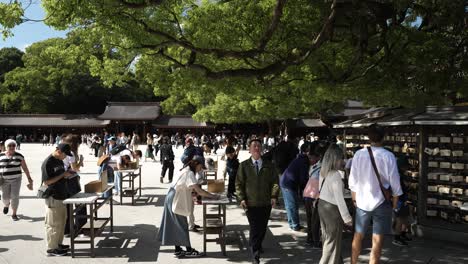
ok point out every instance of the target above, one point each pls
(57, 140)
(149, 147)
(19, 139)
(232, 167)
(157, 140)
(45, 140)
(11, 163)
(402, 210)
(135, 141)
(167, 159)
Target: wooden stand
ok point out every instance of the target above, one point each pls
(129, 176)
(215, 223)
(95, 224)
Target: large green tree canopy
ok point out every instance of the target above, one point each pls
(10, 58)
(237, 60)
(56, 78)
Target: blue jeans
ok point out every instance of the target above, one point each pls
(291, 202)
(117, 178)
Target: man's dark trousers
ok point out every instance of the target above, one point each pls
(168, 164)
(258, 220)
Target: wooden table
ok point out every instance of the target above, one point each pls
(215, 223)
(95, 224)
(129, 175)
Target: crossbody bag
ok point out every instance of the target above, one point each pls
(387, 193)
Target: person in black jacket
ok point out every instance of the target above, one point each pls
(282, 155)
(167, 159)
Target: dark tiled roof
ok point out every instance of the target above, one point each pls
(457, 115)
(131, 111)
(178, 121)
(51, 121)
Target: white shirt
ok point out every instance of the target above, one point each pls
(116, 158)
(364, 183)
(68, 161)
(186, 179)
(271, 141)
(332, 192)
(300, 143)
(259, 161)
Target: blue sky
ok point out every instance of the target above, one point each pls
(30, 32)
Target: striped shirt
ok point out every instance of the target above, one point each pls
(10, 167)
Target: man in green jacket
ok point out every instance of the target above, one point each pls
(257, 189)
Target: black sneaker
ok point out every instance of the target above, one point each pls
(405, 237)
(399, 242)
(56, 252)
(179, 253)
(64, 247)
(5, 210)
(192, 254)
(15, 217)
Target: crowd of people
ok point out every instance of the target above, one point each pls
(305, 172)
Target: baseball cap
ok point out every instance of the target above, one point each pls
(112, 138)
(200, 160)
(65, 148)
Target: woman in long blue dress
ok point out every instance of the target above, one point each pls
(174, 229)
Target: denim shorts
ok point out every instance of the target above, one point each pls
(381, 220)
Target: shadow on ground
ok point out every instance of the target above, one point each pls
(19, 237)
(137, 243)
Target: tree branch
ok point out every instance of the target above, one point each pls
(219, 53)
(278, 13)
(276, 67)
(142, 4)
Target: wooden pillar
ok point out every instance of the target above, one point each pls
(423, 169)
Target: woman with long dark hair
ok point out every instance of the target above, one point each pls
(174, 230)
